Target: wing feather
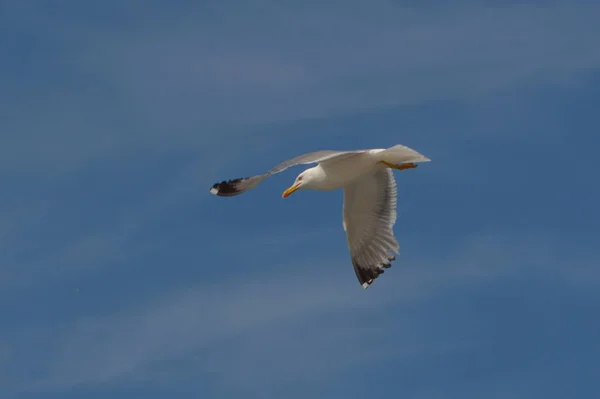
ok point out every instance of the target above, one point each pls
(369, 217)
(238, 186)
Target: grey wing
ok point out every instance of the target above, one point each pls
(369, 217)
(237, 186)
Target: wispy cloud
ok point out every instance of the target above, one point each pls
(104, 241)
(276, 64)
(117, 118)
(270, 328)
(189, 78)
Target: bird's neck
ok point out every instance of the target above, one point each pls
(319, 179)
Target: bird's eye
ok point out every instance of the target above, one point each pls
(299, 178)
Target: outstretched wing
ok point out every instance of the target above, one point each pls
(369, 217)
(237, 186)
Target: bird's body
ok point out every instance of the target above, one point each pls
(369, 198)
(339, 173)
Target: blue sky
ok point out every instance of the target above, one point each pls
(121, 276)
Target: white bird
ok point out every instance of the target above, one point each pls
(369, 198)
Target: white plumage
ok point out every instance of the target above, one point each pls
(369, 198)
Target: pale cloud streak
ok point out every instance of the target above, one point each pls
(290, 311)
(319, 61)
(107, 241)
(208, 85)
(190, 80)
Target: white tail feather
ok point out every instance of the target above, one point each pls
(399, 154)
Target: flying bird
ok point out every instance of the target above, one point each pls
(369, 198)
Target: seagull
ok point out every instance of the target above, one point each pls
(370, 197)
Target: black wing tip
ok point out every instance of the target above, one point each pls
(367, 276)
(227, 188)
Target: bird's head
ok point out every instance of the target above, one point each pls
(304, 180)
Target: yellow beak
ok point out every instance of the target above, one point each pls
(290, 190)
